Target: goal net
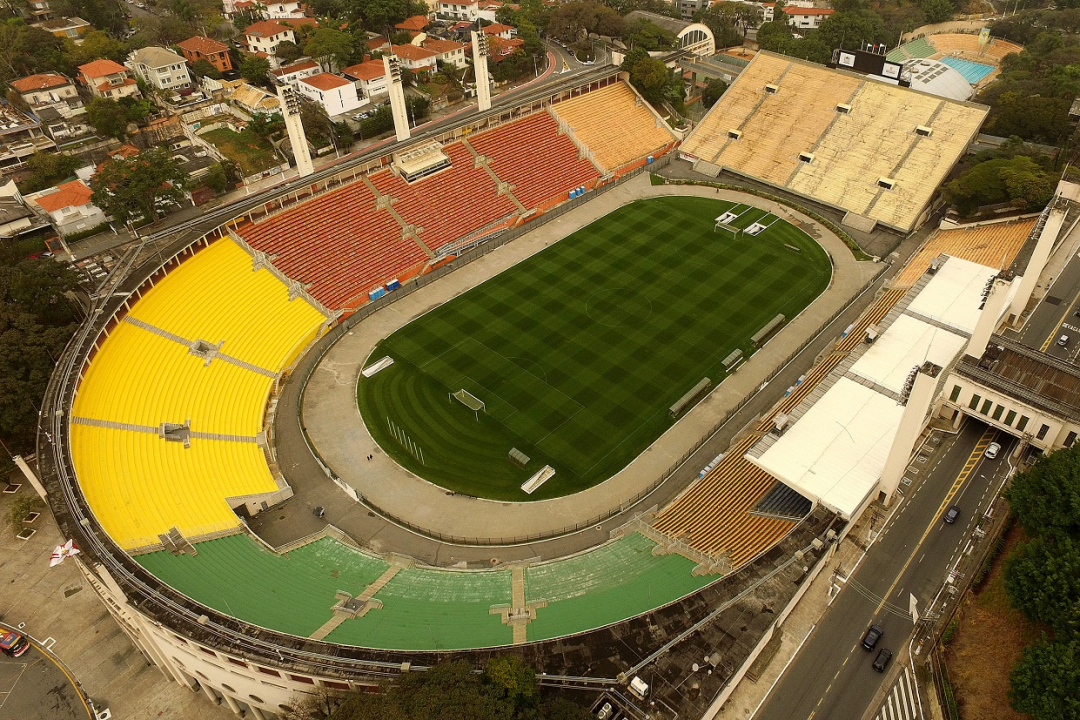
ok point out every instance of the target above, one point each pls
(469, 400)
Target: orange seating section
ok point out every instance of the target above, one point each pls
(531, 155)
(450, 204)
(713, 516)
(339, 243)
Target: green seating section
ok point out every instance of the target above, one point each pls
(422, 608)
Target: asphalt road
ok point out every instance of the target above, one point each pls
(1057, 315)
(34, 687)
(831, 676)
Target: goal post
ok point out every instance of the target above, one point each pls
(470, 401)
(727, 229)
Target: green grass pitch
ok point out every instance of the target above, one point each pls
(579, 351)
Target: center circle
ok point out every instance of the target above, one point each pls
(619, 307)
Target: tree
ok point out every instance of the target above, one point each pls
(712, 92)
(330, 48)
(938, 10)
(1042, 577)
(107, 117)
(139, 187)
(649, 75)
(773, 36)
(509, 679)
(850, 29)
(255, 69)
(204, 68)
(95, 44)
(1046, 496)
(1019, 180)
(47, 169)
(1045, 683)
(107, 16)
(288, 51)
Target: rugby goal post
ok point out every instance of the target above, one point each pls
(470, 401)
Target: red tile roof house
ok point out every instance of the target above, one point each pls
(506, 32)
(265, 35)
(413, 25)
(806, 18)
(203, 48)
(291, 74)
(108, 79)
(336, 94)
(448, 51)
(68, 207)
(415, 58)
(45, 89)
(368, 76)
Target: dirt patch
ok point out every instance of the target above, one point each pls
(987, 644)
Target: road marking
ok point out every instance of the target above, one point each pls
(969, 467)
(1059, 323)
(901, 702)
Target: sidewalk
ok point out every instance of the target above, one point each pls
(341, 438)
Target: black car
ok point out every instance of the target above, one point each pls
(882, 659)
(872, 636)
(951, 514)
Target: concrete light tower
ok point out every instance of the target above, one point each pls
(397, 96)
(480, 68)
(917, 397)
(290, 111)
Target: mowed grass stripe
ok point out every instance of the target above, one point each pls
(580, 350)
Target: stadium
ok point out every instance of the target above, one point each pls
(393, 417)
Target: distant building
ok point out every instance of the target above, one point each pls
(415, 58)
(447, 51)
(413, 25)
(265, 35)
(108, 79)
(15, 218)
(334, 93)
(21, 135)
(802, 18)
(160, 68)
(291, 74)
(378, 44)
(46, 89)
(39, 10)
(459, 10)
(368, 76)
(72, 27)
(505, 32)
(266, 11)
(203, 48)
(69, 207)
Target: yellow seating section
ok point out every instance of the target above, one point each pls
(216, 296)
(614, 144)
(140, 486)
(144, 379)
(995, 245)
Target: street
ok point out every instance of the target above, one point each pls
(831, 676)
(1058, 314)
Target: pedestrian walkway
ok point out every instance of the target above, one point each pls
(902, 700)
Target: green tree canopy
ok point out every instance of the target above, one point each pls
(1045, 683)
(573, 21)
(47, 169)
(851, 29)
(255, 69)
(1043, 578)
(1019, 179)
(204, 68)
(712, 92)
(331, 48)
(288, 51)
(108, 118)
(140, 187)
(650, 76)
(1046, 496)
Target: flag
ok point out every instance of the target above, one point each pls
(63, 552)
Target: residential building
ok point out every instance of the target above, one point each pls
(415, 58)
(499, 48)
(506, 32)
(108, 79)
(486, 9)
(45, 89)
(447, 51)
(368, 76)
(768, 11)
(334, 93)
(60, 127)
(803, 18)
(160, 68)
(39, 11)
(378, 44)
(15, 218)
(265, 35)
(459, 9)
(291, 74)
(203, 48)
(413, 25)
(21, 136)
(72, 27)
(248, 98)
(69, 207)
(267, 11)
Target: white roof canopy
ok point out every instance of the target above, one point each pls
(953, 296)
(906, 344)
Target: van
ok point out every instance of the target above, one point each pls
(882, 659)
(1063, 341)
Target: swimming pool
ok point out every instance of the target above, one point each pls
(973, 72)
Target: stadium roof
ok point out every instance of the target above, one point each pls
(876, 150)
(953, 296)
(835, 453)
(908, 343)
(937, 78)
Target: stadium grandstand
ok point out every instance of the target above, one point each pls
(975, 60)
(874, 150)
(381, 227)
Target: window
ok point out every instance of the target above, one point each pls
(1010, 417)
(1023, 423)
(974, 402)
(955, 393)
(234, 661)
(1042, 432)
(268, 671)
(987, 404)
(1070, 439)
(997, 411)
(302, 679)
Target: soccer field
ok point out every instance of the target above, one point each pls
(579, 351)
